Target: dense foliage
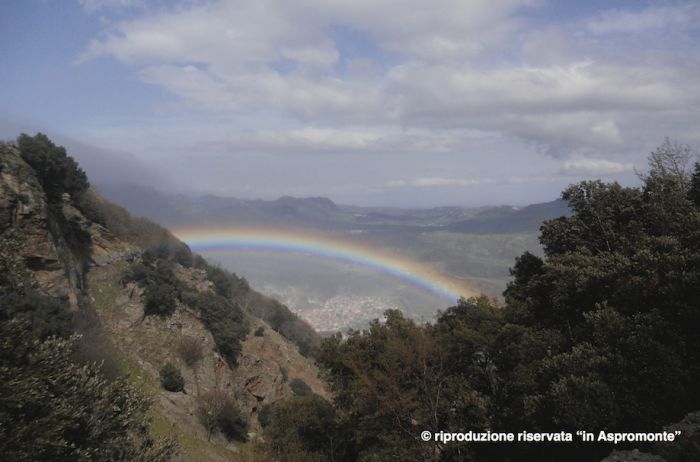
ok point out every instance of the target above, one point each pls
(279, 317)
(307, 428)
(161, 288)
(137, 230)
(217, 411)
(283, 321)
(171, 378)
(58, 173)
(603, 333)
(226, 284)
(226, 322)
(61, 397)
(161, 291)
(53, 408)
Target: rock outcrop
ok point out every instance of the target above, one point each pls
(28, 225)
(36, 249)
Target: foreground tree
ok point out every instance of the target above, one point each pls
(54, 409)
(603, 333)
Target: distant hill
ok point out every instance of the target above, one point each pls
(506, 220)
(323, 213)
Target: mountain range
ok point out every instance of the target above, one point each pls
(322, 213)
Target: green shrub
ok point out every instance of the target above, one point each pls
(266, 414)
(225, 321)
(225, 283)
(217, 411)
(260, 331)
(300, 388)
(171, 379)
(283, 321)
(57, 172)
(159, 300)
(231, 422)
(160, 285)
(52, 408)
(310, 426)
(136, 272)
(171, 251)
(45, 316)
(190, 350)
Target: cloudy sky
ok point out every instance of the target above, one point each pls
(381, 102)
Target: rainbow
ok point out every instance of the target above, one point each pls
(278, 240)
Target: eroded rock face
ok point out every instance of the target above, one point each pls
(33, 232)
(32, 240)
(26, 221)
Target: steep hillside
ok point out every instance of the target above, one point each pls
(141, 301)
(266, 364)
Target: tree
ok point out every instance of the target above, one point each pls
(54, 409)
(306, 428)
(225, 321)
(392, 382)
(57, 172)
(671, 160)
(216, 410)
(603, 332)
(159, 299)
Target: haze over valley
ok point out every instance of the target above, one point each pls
(476, 246)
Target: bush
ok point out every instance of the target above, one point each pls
(45, 316)
(266, 414)
(300, 388)
(283, 321)
(225, 283)
(171, 378)
(231, 422)
(225, 321)
(54, 409)
(136, 230)
(260, 331)
(57, 172)
(190, 350)
(159, 283)
(136, 272)
(216, 410)
(171, 251)
(309, 426)
(159, 299)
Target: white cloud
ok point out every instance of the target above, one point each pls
(381, 139)
(431, 182)
(595, 167)
(430, 71)
(654, 17)
(94, 5)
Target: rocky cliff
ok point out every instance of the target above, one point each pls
(37, 249)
